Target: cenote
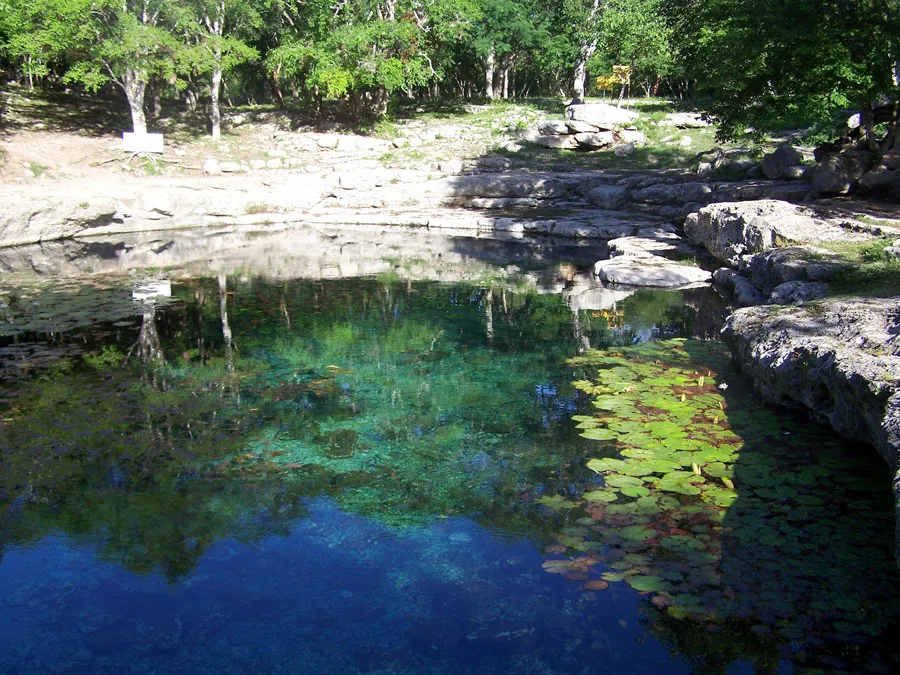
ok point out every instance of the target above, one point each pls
(401, 466)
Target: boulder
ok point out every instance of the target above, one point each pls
(798, 292)
(38, 220)
(553, 128)
(776, 164)
(633, 136)
(840, 362)
(579, 127)
(730, 230)
(600, 115)
(674, 193)
(777, 266)
(744, 292)
(881, 180)
(595, 140)
(211, 167)
(649, 271)
(506, 185)
(624, 150)
(556, 142)
(648, 244)
(608, 196)
(837, 174)
(684, 121)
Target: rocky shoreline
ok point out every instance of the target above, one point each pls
(837, 358)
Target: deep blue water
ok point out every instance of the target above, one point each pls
(362, 480)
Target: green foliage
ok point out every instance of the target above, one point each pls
(767, 61)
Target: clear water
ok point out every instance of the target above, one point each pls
(382, 475)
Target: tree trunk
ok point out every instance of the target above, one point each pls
(489, 65)
(226, 328)
(215, 114)
(190, 99)
(579, 85)
(135, 84)
(155, 99)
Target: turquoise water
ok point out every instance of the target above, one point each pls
(382, 475)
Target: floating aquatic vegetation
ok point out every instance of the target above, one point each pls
(722, 511)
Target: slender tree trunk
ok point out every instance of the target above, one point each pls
(579, 85)
(135, 85)
(155, 99)
(28, 72)
(226, 328)
(190, 99)
(214, 112)
(490, 63)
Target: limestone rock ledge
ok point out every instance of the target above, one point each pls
(840, 360)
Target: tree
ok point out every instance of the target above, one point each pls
(507, 29)
(635, 33)
(772, 60)
(583, 19)
(364, 51)
(216, 46)
(126, 42)
(37, 34)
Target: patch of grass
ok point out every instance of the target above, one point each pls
(254, 208)
(875, 273)
(874, 279)
(877, 222)
(37, 169)
(859, 252)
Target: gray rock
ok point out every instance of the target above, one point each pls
(579, 127)
(776, 163)
(882, 179)
(795, 172)
(744, 292)
(684, 121)
(553, 128)
(633, 136)
(451, 166)
(837, 174)
(507, 185)
(556, 142)
(257, 164)
(648, 244)
(654, 272)
(730, 230)
(894, 249)
(327, 141)
(774, 267)
(608, 196)
(840, 362)
(676, 193)
(211, 167)
(624, 150)
(38, 220)
(798, 292)
(597, 139)
(230, 167)
(600, 115)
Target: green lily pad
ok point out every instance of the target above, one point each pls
(599, 434)
(647, 583)
(637, 533)
(606, 496)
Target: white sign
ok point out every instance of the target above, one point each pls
(142, 142)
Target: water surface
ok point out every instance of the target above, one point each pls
(241, 471)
